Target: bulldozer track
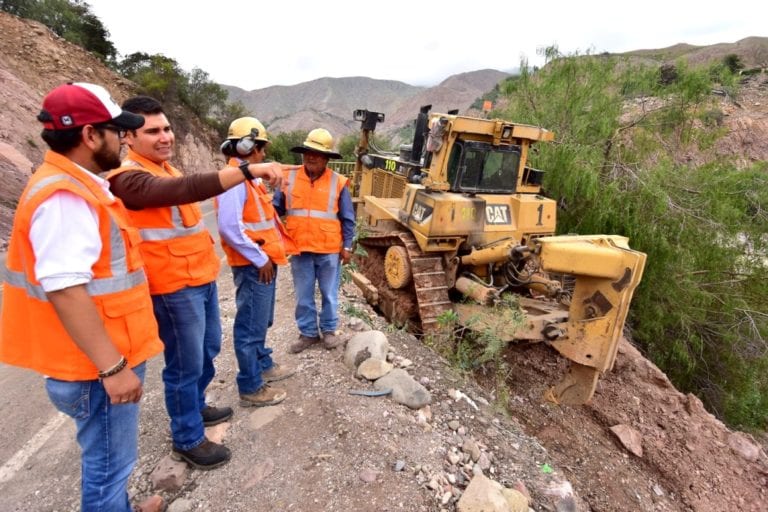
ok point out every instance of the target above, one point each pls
(429, 284)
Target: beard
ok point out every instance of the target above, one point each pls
(107, 158)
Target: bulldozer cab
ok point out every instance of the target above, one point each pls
(480, 168)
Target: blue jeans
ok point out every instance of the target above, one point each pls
(308, 268)
(191, 332)
(255, 313)
(108, 439)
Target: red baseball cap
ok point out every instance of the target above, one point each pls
(77, 104)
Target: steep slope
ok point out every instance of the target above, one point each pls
(33, 60)
(455, 92)
(752, 52)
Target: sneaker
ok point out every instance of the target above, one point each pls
(304, 343)
(266, 395)
(207, 455)
(277, 372)
(215, 415)
(331, 340)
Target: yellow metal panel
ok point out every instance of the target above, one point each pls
(381, 208)
(446, 214)
(592, 255)
(534, 213)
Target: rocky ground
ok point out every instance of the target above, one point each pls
(327, 449)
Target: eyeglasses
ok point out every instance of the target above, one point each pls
(119, 131)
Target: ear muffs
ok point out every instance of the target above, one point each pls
(238, 147)
(226, 148)
(245, 146)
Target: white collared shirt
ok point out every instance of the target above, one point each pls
(65, 238)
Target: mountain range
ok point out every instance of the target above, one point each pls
(33, 60)
(329, 102)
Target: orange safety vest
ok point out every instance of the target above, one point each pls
(312, 210)
(261, 225)
(176, 246)
(31, 333)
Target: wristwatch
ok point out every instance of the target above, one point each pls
(244, 169)
(348, 249)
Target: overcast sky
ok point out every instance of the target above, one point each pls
(256, 44)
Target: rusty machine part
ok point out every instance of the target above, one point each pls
(459, 213)
(416, 274)
(397, 267)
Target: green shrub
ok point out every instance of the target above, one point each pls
(699, 312)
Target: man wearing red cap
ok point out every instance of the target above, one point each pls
(76, 304)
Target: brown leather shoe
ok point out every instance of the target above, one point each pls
(277, 372)
(215, 415)
(207, 455)
(303, 344)
(331, 340)
(266, 395)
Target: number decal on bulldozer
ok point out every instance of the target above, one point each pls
(467, 213)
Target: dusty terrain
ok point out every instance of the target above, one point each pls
(325, 449)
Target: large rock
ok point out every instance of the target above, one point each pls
(405, 390)
(486, 495)
(365, 345)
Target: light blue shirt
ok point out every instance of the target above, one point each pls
(231, 228)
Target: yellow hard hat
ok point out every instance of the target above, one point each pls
(320, 141)
(248, 127)
(243, 135)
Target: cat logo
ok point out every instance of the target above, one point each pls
(497, 214)
(421, 212)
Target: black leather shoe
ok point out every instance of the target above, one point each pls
(207, 455)
(215, 415)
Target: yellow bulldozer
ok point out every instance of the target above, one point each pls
(456, 223)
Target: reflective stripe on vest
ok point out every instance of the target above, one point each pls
(177, 231)
(120, 280)
(329, 213)
(263, 224)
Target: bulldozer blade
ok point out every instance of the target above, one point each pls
(526, 324)
(576, 388)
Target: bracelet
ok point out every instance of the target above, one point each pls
(348, 249)
(244, 169)
(115, 369)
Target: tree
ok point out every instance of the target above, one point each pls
(280, 148)
(733, 63)
(225, 115)
(699, 312)
(156, 75)
(347, 145)
(202, 95)
(70, 19)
